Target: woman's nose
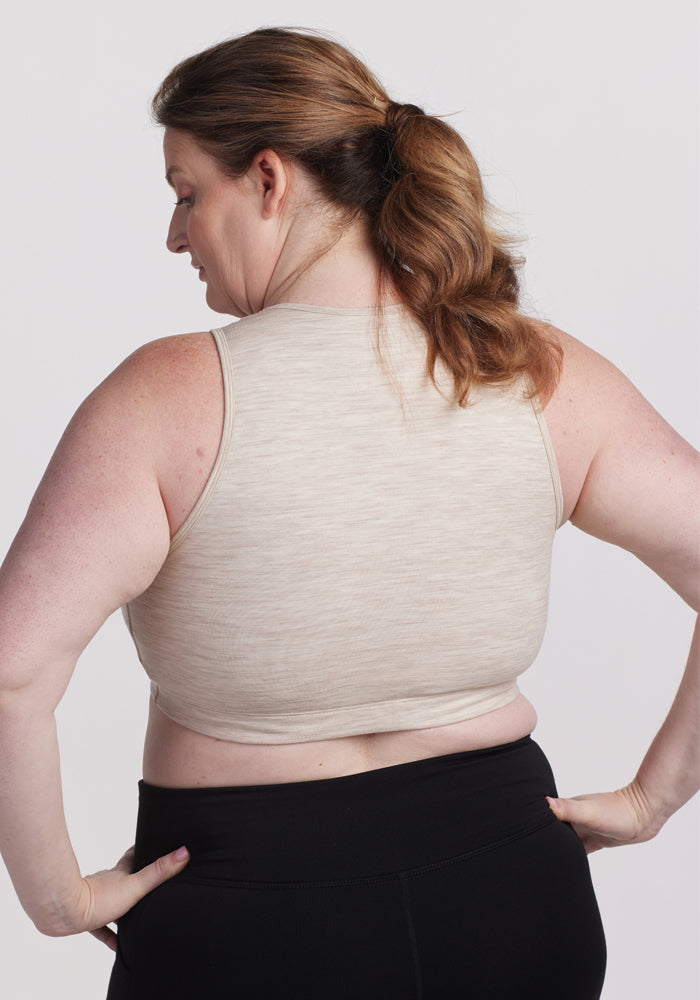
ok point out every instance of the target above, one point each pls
(177, 234)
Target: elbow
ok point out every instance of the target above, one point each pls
(50, 930)
(53, 926)
(53, 920)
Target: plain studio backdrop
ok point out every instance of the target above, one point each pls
(582, 117)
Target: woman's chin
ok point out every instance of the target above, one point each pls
(218, 304)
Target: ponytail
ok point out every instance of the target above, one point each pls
(453, 271)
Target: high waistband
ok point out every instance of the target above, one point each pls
(354, 826)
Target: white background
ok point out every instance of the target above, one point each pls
(583, 119)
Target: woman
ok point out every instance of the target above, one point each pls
(334, 562)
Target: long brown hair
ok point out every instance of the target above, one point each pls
(410, 174)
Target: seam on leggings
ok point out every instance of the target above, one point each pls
(369, 879)
(411, 935)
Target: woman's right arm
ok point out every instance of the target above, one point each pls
(629, 479)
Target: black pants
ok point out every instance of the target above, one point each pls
(441, 878)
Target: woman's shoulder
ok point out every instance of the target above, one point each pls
(169, 391)
(627, 476)
(594, 405)
(587, 377)
(575, 411)
(165, 364)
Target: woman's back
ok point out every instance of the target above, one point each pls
(178, 753)
(357, 562)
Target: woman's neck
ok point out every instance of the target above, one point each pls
(338, 269)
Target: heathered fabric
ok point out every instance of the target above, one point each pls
(362, 559)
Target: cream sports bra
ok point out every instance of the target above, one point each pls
(366, 556)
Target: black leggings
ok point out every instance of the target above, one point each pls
(443, 878)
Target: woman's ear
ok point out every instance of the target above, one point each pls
(270, 176)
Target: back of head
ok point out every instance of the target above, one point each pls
(410, 175)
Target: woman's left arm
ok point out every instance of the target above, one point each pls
(633, 481)
(95, 535)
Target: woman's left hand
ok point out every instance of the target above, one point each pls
(610, 819)
(107, 895)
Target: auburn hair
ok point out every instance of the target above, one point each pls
(410, 174)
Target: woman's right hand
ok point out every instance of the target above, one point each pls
(107, 895)
(609, 819)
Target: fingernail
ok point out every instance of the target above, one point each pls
(181, 853)
(553, 803)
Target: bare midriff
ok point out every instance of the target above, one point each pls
(176, 757)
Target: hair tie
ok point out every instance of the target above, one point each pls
(395, 118)
(398, 114)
